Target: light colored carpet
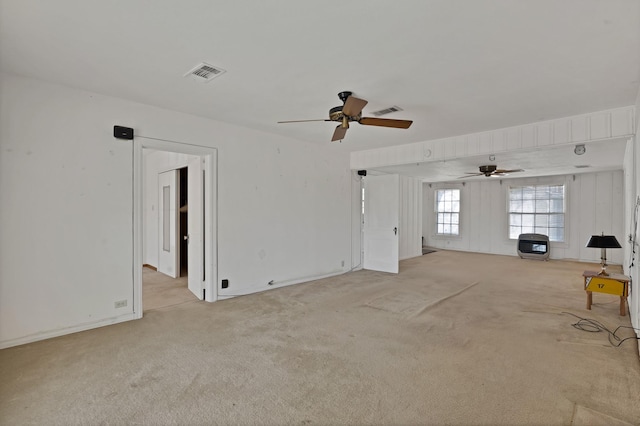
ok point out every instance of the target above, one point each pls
(162, 291)
(455, 338)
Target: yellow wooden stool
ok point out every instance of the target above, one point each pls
(616, 284)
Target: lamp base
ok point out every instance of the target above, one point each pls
(603, 262)
(603, 272)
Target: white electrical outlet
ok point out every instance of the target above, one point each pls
(120, 304)
(343, 263)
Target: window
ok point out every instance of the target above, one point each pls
(448, 212)
(537, 209)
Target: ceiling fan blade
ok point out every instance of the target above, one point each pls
(353, 106)
(385, 122)
(303, 121)
(339, 133)
(502, 172)
(470, 175)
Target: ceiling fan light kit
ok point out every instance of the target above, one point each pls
(351, 111)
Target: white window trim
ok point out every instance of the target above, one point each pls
(542, 182)
(434, 228)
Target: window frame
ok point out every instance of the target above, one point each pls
(564, 213)
(436, 213)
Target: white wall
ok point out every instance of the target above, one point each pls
(284, 206)
(632, 162)
(594, 204)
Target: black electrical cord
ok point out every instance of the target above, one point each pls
(593, 326)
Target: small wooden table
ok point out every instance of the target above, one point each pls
(616, 284)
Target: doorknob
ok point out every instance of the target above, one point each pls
(395, 231)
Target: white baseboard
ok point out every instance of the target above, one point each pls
(279, 284)
(67, 330)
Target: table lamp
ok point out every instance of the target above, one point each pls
(603, 242)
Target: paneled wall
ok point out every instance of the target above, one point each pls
(594, 204)
(595, 126)
(631, 164)
(410, 218)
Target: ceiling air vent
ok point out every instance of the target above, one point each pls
(204, 72)
(386, 111)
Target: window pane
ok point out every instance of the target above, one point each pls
(538, 209)
(556, 206)
(528, 193)
(557, 192)
(514, 232)
(542, 206)
(528, 220)
(542, 220)
(447, 211)
(542, 192)
(556, 220)
(556, 234)
(515, 194)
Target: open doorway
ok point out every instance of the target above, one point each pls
(193, 217)
(165, 277)
(183, 221)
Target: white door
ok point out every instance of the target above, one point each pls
(381, 206)
(195, 225)
(168, 246)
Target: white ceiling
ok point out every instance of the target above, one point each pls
(454, 66)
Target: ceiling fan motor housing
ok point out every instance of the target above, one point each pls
(488, 169)
(335, 114)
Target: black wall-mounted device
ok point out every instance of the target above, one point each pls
(121, 132)
(225, 284)
(362, 172)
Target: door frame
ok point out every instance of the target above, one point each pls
(210, 167)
